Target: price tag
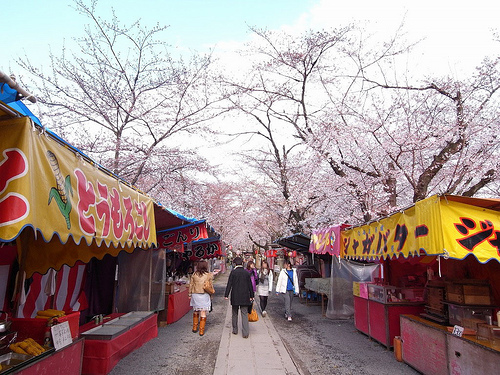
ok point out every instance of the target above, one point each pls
(61, 335)
(458, 331)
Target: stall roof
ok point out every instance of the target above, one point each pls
(166, 218)
(489, 203)
(297, 241)
(16, 109)
(65, 197)
(11, 93)
(443, 225)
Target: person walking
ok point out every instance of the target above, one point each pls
(288, 284)
(253, 274)
(239, 285)
(200, 300)
(265, 286)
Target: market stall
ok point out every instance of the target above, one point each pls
(58, 211)
(75, 238)
(442, 255)
(325, 243)
(191, 243)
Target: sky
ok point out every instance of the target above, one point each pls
(458, 34)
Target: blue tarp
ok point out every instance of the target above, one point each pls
(7, 94)
(11, 97)
(22, 109)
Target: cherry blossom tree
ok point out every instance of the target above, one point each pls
(301, 84)
(439, 136)
(120, 96)
(389, 144)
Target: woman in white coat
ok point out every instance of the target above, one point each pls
(265, 285)
(288, 284)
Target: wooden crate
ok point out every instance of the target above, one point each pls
(469, 292)
(455, 297)
(476, 290)
(435, 303)
(436, 292)
(477, 300)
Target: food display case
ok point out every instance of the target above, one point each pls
(392, 294)
(378, 315)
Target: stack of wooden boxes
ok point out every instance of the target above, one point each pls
(435, 308)
(469, 302)
(469, 292)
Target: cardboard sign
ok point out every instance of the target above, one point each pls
(61, 335)
(457, 331)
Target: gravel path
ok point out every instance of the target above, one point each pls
(318, 345)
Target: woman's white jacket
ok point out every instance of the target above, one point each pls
(283, 280)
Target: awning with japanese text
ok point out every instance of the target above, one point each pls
(175, 238)
(447, 225)
(203, 249)
(325, 241)
(46, 185)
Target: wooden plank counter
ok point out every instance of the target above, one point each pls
(431, 349)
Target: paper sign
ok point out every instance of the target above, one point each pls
(61, 335)
(458, 331)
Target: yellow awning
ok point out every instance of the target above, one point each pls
(448, 225)
(46, 185)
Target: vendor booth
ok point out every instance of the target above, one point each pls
(336, 287)
(438, 290)
(58, 212)
(69, 232)
(186, 244)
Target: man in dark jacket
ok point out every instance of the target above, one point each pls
(242, 295)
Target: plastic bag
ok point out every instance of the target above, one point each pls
(253, 317)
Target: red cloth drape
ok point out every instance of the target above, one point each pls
(100, 356)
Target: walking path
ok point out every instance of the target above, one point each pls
(261, 353)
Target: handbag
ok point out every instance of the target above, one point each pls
(252, 316)
(208, 287)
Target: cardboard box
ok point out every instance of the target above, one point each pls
(169, 288)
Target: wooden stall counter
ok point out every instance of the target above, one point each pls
(431, 349)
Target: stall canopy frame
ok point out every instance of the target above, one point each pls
(298, 241)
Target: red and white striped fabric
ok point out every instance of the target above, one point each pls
(69, 294)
